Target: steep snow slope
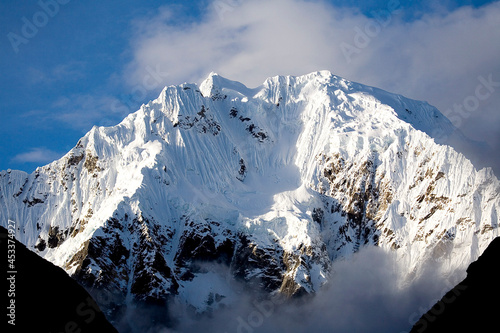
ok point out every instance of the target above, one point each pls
(275, 183)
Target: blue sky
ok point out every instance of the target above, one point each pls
(67, 65)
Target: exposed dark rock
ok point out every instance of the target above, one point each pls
(202, 112)
(40, 245)
(362, 197)
(145, 279)
(279, 101)
(289, 287)
(317, 215)
(218, 96)
(74, 160)
(233, 113)
(243, 119)
(56, 237)
(257, 132)
(79, 257)
(91, 164)
(21, 189)
(203, 248)
(267, 262)
(242, 172)
(203, 122)
(33, 201)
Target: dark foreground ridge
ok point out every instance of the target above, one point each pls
(41, 297)
(473, 303)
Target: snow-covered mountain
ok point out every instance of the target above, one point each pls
(275, 183)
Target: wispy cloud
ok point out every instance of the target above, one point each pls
(367, 293)
(37, 155)
(248, 42)
(79, 112)
(83, 111)
(67, 72)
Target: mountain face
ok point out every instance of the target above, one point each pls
(272, 185)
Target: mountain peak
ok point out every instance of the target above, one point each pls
(275, 183)
(214, 85)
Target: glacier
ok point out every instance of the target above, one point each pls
(275, 183)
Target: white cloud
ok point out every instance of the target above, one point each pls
(437, 57)
(251, 42)
(82, 111)
(67, 72)
(367, 293)
(37, 155)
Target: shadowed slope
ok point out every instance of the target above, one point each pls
(45, 298)
(472, 303)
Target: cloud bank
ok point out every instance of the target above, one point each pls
(367, 293)
(438, 57)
